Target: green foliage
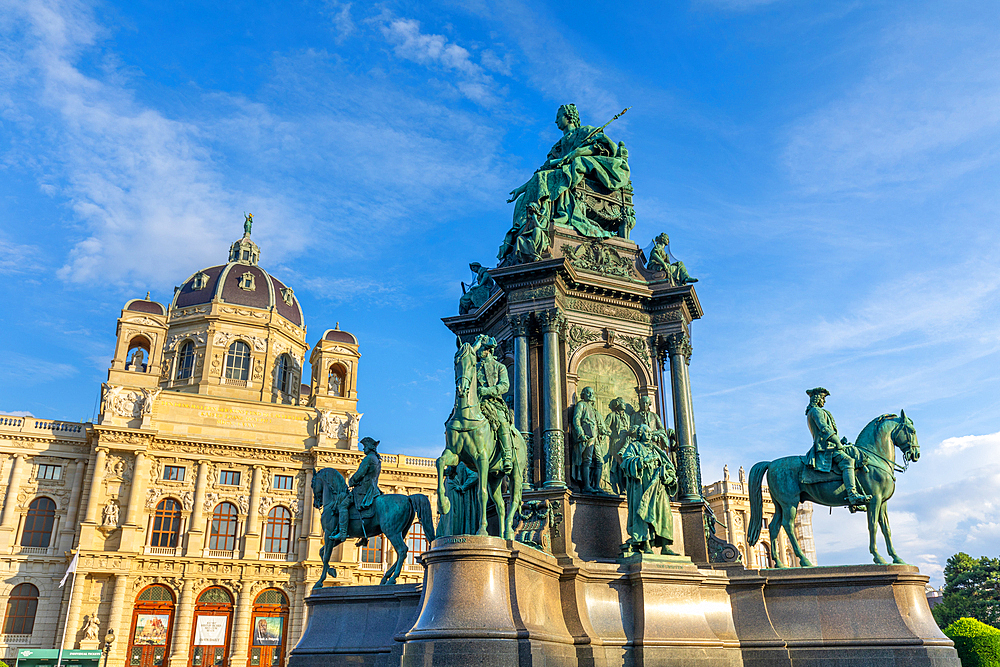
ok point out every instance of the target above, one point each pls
(3, 664)
(978, 644)
(971, 590)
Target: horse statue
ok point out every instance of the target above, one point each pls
(393, 515)
(469, 439)
(875, 475)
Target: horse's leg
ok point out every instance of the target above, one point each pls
(324, 553)
(774, 529)
(883, 522)
(789, 525)
(874, 507)
(516, 477)
(447, 458)
(483, 468)
(399, 545)
(496, 490)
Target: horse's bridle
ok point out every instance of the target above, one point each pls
(908, 442)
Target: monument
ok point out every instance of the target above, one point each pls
(573, 529)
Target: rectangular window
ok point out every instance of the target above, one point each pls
(372, 553)
(230, 477)
(49, 472)
(173, 473)
(283, 482)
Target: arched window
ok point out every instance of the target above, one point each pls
(238, 361)
(337, 380)
(166, 524)
(278, 531)
(149, 637)
(372, 553)
(185, 361)
(38, 523)
(213, 615)
(21, 608)
(138, 354)
(224, 521)
(283, 374)
(268, 629)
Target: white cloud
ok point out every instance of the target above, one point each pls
(953, 446)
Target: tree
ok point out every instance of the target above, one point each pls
(971, 589)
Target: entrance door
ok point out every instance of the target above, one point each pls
(152, 621)
(268, 629)
(213, 615)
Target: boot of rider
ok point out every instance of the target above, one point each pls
(850, 483)
(503, 435)
(345, 517)
(585, 474)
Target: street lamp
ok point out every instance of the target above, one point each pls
(109, 639)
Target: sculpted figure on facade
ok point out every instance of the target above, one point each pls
(364, 487)
(110, 514)
(526, 243)
(330, 423)
(660, 259)
(650, 480)
(478, 292)
(828, 448)
(583, 152)
(589, 442)
(92, 628)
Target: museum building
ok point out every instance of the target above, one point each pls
(189, 503)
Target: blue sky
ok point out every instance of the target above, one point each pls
(829, 170)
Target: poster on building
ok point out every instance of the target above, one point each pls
(267, 631)
(210, 631)
(151, 629)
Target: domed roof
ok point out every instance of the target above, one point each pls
(340, 336)
(240, 282)
(145, 306)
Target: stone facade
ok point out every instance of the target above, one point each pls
(730, 501)
(190, 500)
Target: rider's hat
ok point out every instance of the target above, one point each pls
(489, 341)
(366, 441)
(818, 391)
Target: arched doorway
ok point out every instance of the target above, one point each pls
(268, 629)
(152, 621)
(213, 616)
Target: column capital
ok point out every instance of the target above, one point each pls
(204, 462)
(102, 449)
(550, 321)
(519, 324)
(680, 343)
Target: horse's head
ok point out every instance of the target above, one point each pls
(904, 436)
(465, 367)
(327, 480)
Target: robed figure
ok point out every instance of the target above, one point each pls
(650, 480)
(464, 496)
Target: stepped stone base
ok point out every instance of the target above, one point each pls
(491, 602)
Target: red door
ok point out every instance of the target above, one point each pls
(268, 629)
(213, 616)
(152, 624)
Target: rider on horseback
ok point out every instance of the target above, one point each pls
(364, 487)
(493, 383)
(828, 447)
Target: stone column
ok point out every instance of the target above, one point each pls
(137, 489)
(240, 637)
(183, 616)
(519, 324)
(196, 529)
(73, 618)
(8, 523)
(69, 529)
(688, 472)
(551, 322)
(297, 614)
(95, 486)
(115, 619)
(252, 542)
(88, 531)
(308, 522)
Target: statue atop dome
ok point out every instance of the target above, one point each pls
(584, 183)
(247, 223)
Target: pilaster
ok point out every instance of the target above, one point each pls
(8, 524)
(239, 638)
(115, 619)
(551, 322)
(182, 624)
(196, 531)
(253, 518)
(130, 523)
(519, 325)
(73, 618)
(68, 531)
(88, 529)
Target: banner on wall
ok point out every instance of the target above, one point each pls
(267, 631)
(210, 631)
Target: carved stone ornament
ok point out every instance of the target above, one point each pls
(288, 296)
(152, 497)
(331, 424)
(265, 505)
(578, 336)
(229, 310)
(129, 404)
(607, 310)
(638, 345)
(529, 293)
(600, 258)
(258, 370)
(216, 364)
(244, 504)
(145, 321)
(211, 500)
(118, 467)
(222, 339)
(199, 338)
(187, 500)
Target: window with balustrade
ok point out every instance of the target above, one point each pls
(224, 525)
(416, 543)
(38, 523)
(238, 361)
(185, 361)
(278, 531)
(21, 607)
(166, 524)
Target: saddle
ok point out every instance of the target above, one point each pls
(812, 476)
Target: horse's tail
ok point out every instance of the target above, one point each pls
(756, 502)
(422, 506)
